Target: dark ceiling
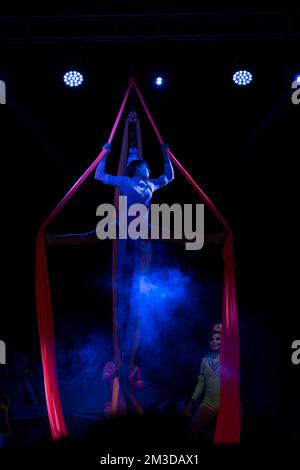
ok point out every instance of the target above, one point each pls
(145, 21)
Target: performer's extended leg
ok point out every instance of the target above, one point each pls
(140, 254)
(123, 289)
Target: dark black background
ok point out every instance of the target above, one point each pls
(240, 144)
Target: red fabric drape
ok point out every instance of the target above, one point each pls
(121, 171)
(118, 401)
(229, 415)
(46, 333)
(44, 306)
(228, 424)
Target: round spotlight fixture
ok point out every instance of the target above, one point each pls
(242, 77)
(73, 78)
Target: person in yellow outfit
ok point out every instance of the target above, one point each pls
(208, 386)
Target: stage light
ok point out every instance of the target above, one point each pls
(297, 77)
(159, 81)
(242, 77)
(73, 78)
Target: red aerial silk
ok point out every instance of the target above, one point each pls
(46, 333)
(121, 171)
(228, 423)
(229, 415)
(44, 305)
(119, 260)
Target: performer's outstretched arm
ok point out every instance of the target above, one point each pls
(168, 167)
(168, 175)
(105, 177)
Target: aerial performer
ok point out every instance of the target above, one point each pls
(138, 189)
(207, 388)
